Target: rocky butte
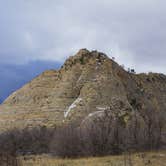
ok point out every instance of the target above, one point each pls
(86, 85)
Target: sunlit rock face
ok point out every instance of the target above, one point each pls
(87, 82)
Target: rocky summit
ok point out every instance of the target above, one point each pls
(87, 84)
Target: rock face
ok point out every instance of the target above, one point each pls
(87, 82)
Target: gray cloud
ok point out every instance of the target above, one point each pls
(132, 31)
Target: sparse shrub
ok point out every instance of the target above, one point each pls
(9, 160)
(26, 141)
(82, 60)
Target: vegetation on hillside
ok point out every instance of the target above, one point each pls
(110, 134)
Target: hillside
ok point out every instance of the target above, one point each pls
(85, 85)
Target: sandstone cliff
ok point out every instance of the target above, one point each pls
(86, 84)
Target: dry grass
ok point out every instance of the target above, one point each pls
(137, 159)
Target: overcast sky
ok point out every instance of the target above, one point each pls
(133, 31)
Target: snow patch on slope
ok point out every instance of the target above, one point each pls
(99, 113)
(102, 108)
(73, 105)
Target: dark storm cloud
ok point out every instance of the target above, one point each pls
(14, 76)
(132, 30)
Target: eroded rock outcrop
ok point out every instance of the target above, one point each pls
(86, 83)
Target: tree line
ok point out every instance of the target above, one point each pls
(106, 135)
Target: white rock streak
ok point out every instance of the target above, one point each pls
(93, 114)
(102, 108)
(73, 105)
(98, 113)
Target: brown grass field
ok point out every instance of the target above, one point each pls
(135, 159)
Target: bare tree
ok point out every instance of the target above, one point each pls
(66, 142)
